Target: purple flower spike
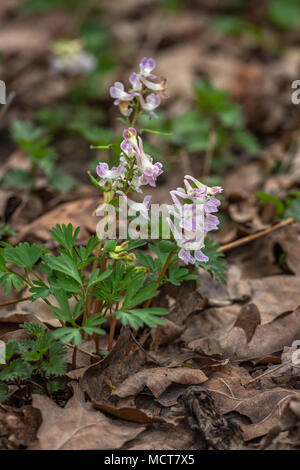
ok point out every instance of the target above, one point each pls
(146, 67)
(195, 218)
(117, 91)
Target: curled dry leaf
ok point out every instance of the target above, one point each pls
(158, 380)
(79, 427)
(262, 407)
(77, 213)
(164, 334)
(289, 421)
(267, 339)
(97, 380)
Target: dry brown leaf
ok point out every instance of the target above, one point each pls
(79, 427)
(158, 379)
(78, 213)
(267, 339)
(262, 407)
(164, 334)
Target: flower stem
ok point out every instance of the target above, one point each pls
(74, 356)
(113, 323)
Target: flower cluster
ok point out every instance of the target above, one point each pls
(191, 221)
(144, 92)
(136, 168)
(191, 216)
(70, 58)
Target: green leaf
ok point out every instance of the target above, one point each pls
(10, 280)
(34, 329)
(216, 264)
(138, 317)
(64, 235)
(23, 255)
(4, 392)
(24, 132)
(62, 181)
(266, 197)
(16, 369)
(166, 246)
(96, 278)
(56, 366)
(40, 291)
(246, 141)
(68, 335)
(284, 14)
(293, 210)
(177, 275)
(65, 265)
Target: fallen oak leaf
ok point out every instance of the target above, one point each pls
(262, 407)
(267, 339)
(79, 427)
(158, 380)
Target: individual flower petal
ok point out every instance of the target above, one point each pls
(201, 256)
(186, 256)
(135, 81)
(160, 86)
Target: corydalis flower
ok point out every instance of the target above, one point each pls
(195, 218)
(144, 92)
(147, 171)
(117, 91)
(115, 175)
(152, 102)
(141, 207)
(146, 67)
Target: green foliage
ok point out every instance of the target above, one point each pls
(290, 207)
(23, 255)
(266, 198)
(34, 6)
(6, 231)
(42, 158)
(216, 117)
(41, 355)
(284, 14)
(216, 264)
(293, 209)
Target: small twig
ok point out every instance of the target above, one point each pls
(145, 352)
(265, 373)
(14, 301)
(254, 236)
(83, 351)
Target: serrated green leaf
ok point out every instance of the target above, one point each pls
(23, 255)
